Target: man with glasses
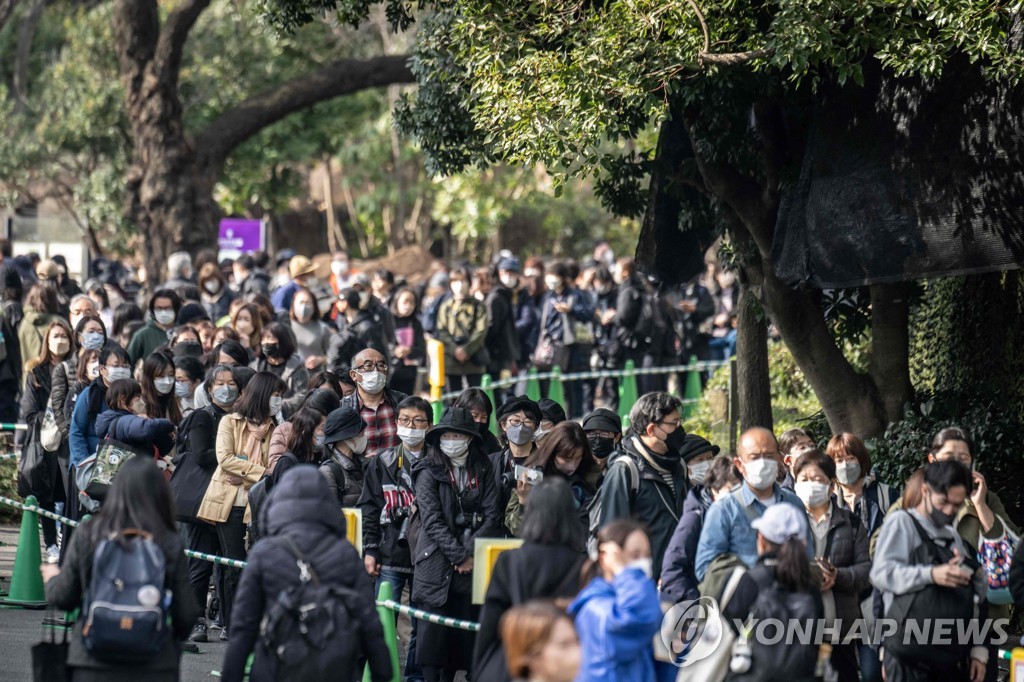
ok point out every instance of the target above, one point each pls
(387, 503)
(648, 482)
(375, 403)
(518, 420)
(727, 528)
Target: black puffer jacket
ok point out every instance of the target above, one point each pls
(302, 508)
(440, 545)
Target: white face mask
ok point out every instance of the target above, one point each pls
(164, 385)
(457, 450)
(303, 311)
(164, 317)
(458, 289)
(59, 346)
(364, 299)
(92, 340)
(811, 493)
(413, 438)
(509, 280)
(117, 373)
(93, 370)
(848, 472)
(181, 389)
(75, 319)
(698, 471)
(225, 395)
(646, 565)
(212, 286)
(357, 445)
(761, 473)
(373, 382)
(276, 402)
(553, 283)
(339, 267)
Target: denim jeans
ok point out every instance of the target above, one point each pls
(398, 582)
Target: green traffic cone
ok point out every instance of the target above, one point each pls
(485, 386)
(26, 581)
(693, 390)
(627, 393)
(556, 391)
(438, 409)
(533, 385)
(387, 620)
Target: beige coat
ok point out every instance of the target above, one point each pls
(220, 495)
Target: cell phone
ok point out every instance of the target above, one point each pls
(825, 564)
(530, 475)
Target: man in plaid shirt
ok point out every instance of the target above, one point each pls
(376, 404)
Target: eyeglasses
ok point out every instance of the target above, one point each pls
(674, 424)
(418, 422)
(370, 366)
(516, 421)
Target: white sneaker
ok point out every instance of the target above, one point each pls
(52, 554)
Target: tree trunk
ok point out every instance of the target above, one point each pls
(23, 52)
(890, 346)
(754, 388)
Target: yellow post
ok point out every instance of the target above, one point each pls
(435, 355)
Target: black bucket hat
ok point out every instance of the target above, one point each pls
(520, 403)
(602, 419)
(342, 424)
(552, 410)
(456, 419)
(694, 445)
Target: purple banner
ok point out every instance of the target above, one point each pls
(239, 235)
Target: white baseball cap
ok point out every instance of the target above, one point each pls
(780, 522)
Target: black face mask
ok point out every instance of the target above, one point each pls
(939, 517)
(675, 442)
(270, 349)
(601, 446)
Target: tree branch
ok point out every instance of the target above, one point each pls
(343, 77)
(703, 26)
(171, 43)
(732, 58)
(136, 28)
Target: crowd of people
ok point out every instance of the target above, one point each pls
(254, 421)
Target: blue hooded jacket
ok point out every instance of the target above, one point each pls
(616, 622)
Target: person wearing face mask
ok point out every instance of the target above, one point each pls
(841, 552)
(301, 271)
(655, 497)
(80, 306)
(214, 292)
(920, 560)
(479, 405)
(312, 336)
(322, 399)
(247, 278)
(728, 533)
(91, 402)
(127, 422)
(357, 330)
(792, 444)
(859, 490)
(41, 310)
(340, 278)
(194, 464)
(278, 356)
(40, 470)
(564, 454)
(462, 323)
(525, 314)
(566, 332)
(608, 355)
(158, 387)
(457, 502)
(344, 448)
(88, 370)
(243, 442)
(163, 311)
(89, 334)
(188, 375)
(411, 345)
(617, 614)
(502, 340)
(387, 502)
(604, 433)
(518, 419)
(374, 402)
(552, 415)
(678, 580)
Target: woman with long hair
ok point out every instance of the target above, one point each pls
(277, 355)
(214, 290)
(158, 387)
(546, 566)
(243, 441)
(457, 501)
(540, 643)
(411, 345)
(565, 453)
(42, 473)
(139, 500)
(247, 321)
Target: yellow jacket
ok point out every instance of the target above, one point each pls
(221, 494)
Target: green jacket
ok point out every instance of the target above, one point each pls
(30, 333)
(145, 341)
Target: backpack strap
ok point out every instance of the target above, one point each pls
(306, 572)
(731, 586)
(749, 510)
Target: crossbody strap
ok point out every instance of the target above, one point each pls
(306, 572)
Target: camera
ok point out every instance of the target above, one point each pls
(531, 475)
(399, 513)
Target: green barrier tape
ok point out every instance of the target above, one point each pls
(9, 455)
(13, 427)
(235, 563)
(577, 376)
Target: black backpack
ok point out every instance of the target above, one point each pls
(928, 605)
(126, 602)
(783, 660)
(310, 630)
(188, 480)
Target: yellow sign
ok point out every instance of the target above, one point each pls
(354, 527)
(485, 554)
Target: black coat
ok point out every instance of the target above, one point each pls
(531, 572)
(502, 341)
(300, 506)
(503, 463)
(441, 545)
(384, 487)
(361, 333)
(67, 591)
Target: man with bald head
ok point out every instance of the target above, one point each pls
(727, 528)
(375, 403)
